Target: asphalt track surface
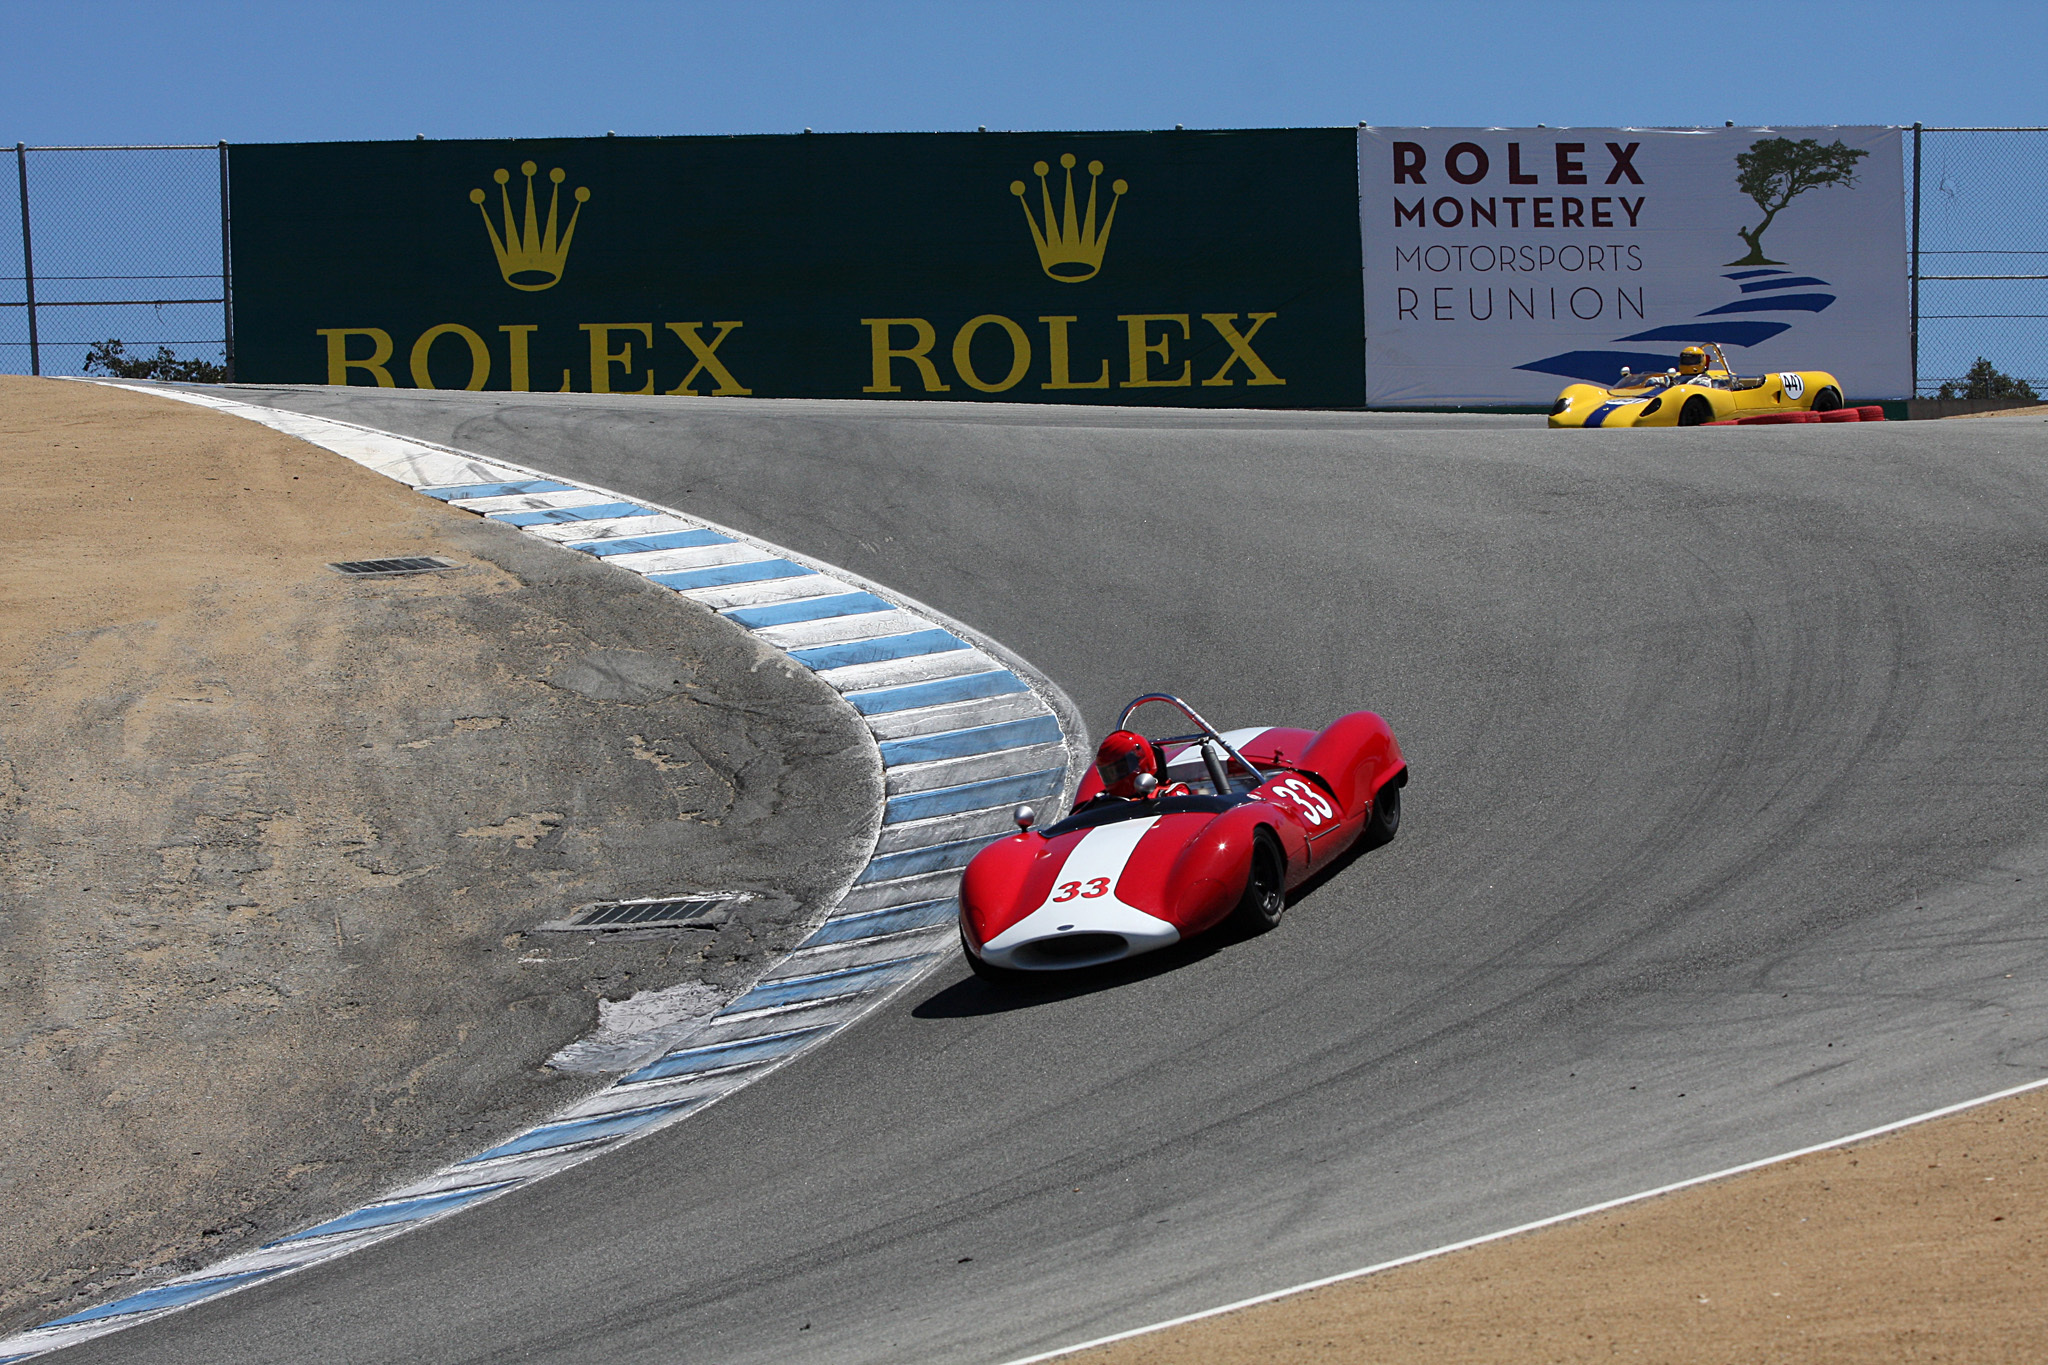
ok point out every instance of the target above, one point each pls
(1726, 836)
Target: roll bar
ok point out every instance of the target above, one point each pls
(1206, 733)
(1717, 359)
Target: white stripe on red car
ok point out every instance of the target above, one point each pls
(1083, 898)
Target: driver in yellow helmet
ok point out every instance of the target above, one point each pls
(1692, 360)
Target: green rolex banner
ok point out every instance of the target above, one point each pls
(1183, 268)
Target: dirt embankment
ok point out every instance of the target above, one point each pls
(1929, 1244)
(273, 841)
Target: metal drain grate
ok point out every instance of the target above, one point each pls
(658, 912)
(386, 568)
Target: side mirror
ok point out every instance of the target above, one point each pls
(1145, 783)
(1025, 817)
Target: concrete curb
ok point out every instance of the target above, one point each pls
(965, 730)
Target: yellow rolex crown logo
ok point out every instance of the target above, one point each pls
(531, 259)
(1069, 248)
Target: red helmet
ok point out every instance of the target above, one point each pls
(1123, 755)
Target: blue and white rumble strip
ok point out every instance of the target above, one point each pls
(965, 729)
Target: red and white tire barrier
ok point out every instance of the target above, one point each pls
(1869, 412)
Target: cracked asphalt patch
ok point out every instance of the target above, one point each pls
(273, 841)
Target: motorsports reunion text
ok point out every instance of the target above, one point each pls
(1292, 268)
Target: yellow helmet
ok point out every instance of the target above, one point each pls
(1692, 360)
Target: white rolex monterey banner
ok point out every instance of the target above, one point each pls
(1502, 264)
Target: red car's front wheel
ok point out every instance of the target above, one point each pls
(988, 971)
(1265, 887)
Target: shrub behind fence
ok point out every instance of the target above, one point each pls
(130, 243)
(126, 243)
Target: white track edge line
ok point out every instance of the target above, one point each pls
(1553, 1220)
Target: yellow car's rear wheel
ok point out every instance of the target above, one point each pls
(1828, 399)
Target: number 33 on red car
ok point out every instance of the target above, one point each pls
(1302, 801)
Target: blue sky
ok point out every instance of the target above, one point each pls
(207, 70)
(282, 71)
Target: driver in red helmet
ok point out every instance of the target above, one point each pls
(1123, 758)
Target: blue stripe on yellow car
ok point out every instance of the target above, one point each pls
(1599, 415)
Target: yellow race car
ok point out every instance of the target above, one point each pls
(1703, 388)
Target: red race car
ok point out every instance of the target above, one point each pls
(1170, 837)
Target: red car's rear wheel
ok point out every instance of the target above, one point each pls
(1385, 821)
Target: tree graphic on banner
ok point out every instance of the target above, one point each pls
(1777, 170)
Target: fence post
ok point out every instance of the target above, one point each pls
(1916, 259)
(227, 294)
(28, 263)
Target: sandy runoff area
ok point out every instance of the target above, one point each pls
(275, 843)
(1926, 1244)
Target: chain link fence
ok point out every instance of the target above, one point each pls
(116, 243)
(1979, 267)
(131, 243)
